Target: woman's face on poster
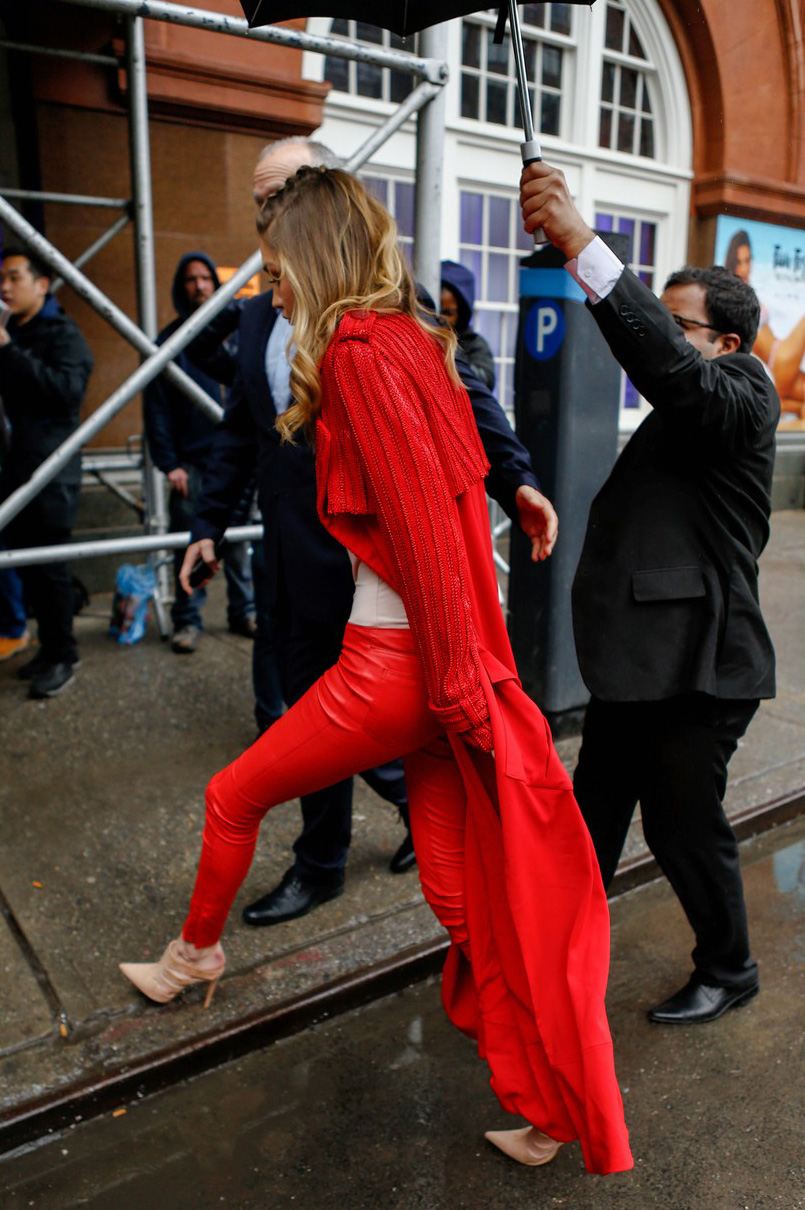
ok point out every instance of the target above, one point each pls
(743, 262)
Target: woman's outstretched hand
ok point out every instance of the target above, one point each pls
(538, 521)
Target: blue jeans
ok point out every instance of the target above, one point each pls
(186, 611)
(13, 620)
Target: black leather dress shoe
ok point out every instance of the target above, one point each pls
(699, 1002)
(405, 857)
(293, 897)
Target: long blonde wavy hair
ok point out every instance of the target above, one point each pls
(338, 248)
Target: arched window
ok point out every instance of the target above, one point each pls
(627, 117)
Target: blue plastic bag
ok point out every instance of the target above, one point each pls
(134, 589)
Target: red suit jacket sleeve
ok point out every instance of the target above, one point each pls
(386, 395)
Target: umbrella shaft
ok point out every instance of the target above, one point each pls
(522, 78)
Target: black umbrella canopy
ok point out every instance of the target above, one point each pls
(403, 17)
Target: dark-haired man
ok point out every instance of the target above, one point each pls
(45, 365)
(669, 634)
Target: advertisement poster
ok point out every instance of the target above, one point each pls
(772, 259)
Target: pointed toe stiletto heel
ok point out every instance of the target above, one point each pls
(162, 981)
(526, 1145)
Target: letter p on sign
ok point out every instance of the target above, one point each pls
(544, 329)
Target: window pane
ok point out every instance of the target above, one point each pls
(534, 14)
(497, 56)
(560, 18)
(400, 85)
(647, 234)
(605, 128)
(488, 324)
(496, 102)
(603, 222)
(626, 226)
(471, 219)
(340, 26)
(370, 80)
(471, 261)
(469, 96)
(549, 120)
(497, 285)
(647, 138)
(631, 397)
(378, 187)
(499, 222)
(530, 53)
(368, 33)
(629, 80)
(614, 34)
(647, 277)
(625, 132)
(404, 207)
(525, 242)
(337, 72)
(552, 67)
(471, 44)
(634, 44)
(608, 82)
(646, 97)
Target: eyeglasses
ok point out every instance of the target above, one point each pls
(687, 325)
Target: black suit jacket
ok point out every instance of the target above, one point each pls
(305, 565)
(665, 599)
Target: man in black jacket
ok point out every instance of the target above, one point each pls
(309, 572)
(45, 365)
(669, 633)
(180, 438)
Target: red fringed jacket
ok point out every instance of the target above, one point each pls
(400, 470)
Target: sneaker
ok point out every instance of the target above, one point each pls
(185, 641)
(39, 663)
(11, 647)
(246, 627)
(50, 681)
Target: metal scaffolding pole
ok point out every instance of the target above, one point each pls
(434, 70)
(429, 152)
(156, 511)
(116, 546)
(422, 95)
(96, 298)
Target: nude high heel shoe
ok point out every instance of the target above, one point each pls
(526, 1145)
(164, 980)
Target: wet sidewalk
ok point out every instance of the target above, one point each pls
(386, 1107)
(102, 808)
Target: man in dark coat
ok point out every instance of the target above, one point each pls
(180, 438)
(45, 365)
(308, 571)
(669, 633)
(457, 302)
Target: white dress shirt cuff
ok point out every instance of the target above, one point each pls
(596, 269)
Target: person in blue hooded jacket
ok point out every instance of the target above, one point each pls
(180, 439)
(457, 302)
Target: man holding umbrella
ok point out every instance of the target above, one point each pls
(669, 634)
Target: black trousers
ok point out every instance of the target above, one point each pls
(672, 757)
(49, 595)
(305, 650)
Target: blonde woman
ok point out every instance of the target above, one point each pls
(426, 670)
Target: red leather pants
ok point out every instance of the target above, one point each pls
(370, 707)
